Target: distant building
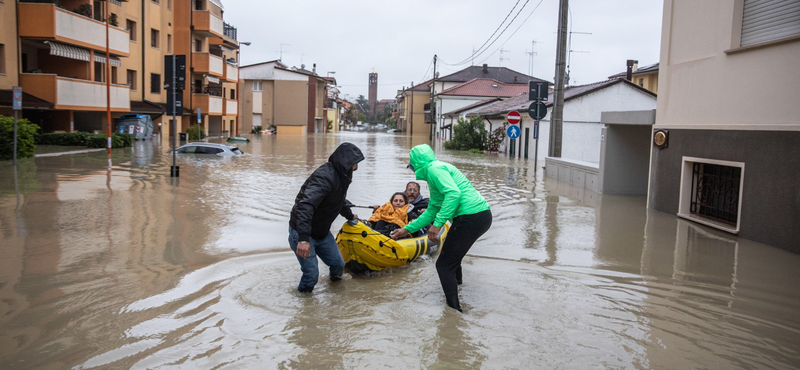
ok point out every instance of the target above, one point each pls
(725, 150)
(646, 77)
(373, 94)
(411, 103)
(292, 99)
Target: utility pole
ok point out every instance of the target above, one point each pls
(434, 122)
(556, 119)
(411, 118)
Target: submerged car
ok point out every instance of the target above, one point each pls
(209, 148)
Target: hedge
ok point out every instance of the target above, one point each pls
(117, 141)
(85, 139)
(26, 136)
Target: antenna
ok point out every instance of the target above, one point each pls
(501, 57)
(531, 54)
(281, 51)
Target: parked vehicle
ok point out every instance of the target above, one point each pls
(222, 150)
(392, 131)
(140, 126)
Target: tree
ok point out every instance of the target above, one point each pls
(363, 103)
(468, 134)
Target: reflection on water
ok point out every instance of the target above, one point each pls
(128, 268)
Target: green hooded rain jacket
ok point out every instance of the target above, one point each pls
(452, 194)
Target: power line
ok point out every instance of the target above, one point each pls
(515, 31)
(479, 52)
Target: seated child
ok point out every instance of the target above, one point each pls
(392, 215)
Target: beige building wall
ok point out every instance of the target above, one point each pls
(708, 82)
(9, 67)
(291, 103)
(417, 125)
(648, 81)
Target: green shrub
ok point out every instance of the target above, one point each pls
(476, 151)
(117, 141)
(26, 136)
(66, 139)
(467, 134)
(192, 132)
(256, 130)
(493, 141)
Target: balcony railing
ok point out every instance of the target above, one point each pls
(206, 89)
(75, 94)
(229, 31)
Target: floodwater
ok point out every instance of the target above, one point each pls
(123, 267)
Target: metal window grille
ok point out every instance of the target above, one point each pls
(229, 31)
(715, 192)
(206, 89)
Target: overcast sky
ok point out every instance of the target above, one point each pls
(399, 38)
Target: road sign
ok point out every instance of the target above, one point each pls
(513, 117)
(17, 98)
(513, 132)
(535, 130)
(180, 72)
(537, 110)
(537, 91)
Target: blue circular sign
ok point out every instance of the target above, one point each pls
(513, 132)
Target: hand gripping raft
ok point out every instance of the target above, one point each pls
(365, 249)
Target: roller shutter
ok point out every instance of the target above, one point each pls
(767, 20)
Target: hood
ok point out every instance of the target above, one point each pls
(344, 157)
(420, 157)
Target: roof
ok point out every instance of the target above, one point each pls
(644, 70)
(278, 61)
(28, 101)
(521, 102)
(501, 74)
(302, 72)
(486, 87)
(472, 106)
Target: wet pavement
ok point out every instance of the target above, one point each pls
(123, 267)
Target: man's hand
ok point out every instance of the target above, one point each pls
(433, 233)
(303, 249)
(399, 233)
(375, 208)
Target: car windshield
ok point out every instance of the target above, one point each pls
(236, 150)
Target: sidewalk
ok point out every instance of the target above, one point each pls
(57, 150)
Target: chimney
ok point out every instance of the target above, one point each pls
(629, 72)
(635, 66)
(485, 68)
(315, 69)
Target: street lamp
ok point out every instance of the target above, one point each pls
(325, 109)
(238, 91)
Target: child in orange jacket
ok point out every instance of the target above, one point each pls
(392, 215)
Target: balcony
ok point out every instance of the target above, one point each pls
(231, 72)
(208, 99)
(207, 23)
(74, 94)
(229, 31)
(231, 107)
(48, 22)
(207, 63)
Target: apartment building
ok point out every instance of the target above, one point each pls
(725, 142)
(291, 99)
(411, 104)
(55, 50)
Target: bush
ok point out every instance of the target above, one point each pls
(493, 141)
(117, 141)
(66, 139)
(467, 134)
(192, 132)
(476, 151)
(26, 136)
(256, 130)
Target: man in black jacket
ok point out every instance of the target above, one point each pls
(320, 200)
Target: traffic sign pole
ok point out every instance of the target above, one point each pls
(17, 105)
(536, 147)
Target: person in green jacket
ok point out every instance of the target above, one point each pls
(452, 198)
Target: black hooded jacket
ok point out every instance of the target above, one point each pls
(322, 196)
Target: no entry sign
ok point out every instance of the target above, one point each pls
(513, 117)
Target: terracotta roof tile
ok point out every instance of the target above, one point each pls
(486, 87)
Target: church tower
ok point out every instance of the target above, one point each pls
(373, 94)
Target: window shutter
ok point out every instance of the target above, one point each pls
(767, 20)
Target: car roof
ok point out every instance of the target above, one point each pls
(216, 145)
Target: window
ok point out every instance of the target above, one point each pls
(131, 27)
(256, 85)
(198, 46)
(154, 34)
(233, 94)
(132, 79)
(2, 58)
(169, 4)
(198, 5)
(99, 69)
(711, 192)
(769, 20)
(155, 83)
(113, 74)
(641, 82)
(169, 44)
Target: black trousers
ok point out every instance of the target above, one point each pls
(466, 229)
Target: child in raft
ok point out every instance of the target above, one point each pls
(392, 215)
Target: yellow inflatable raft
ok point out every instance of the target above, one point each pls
(363, 248)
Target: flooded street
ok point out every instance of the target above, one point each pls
(128, 268)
